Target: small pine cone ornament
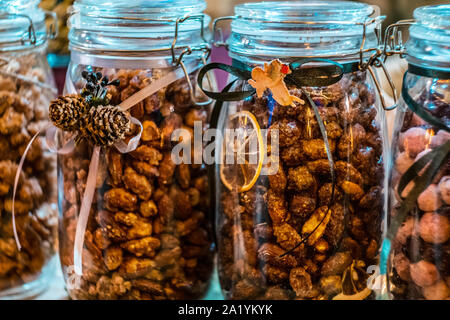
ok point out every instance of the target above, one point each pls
(66, 111)
(105, 125)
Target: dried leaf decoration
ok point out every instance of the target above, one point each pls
(272, 78)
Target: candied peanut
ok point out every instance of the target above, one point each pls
(119, 198)
(301, 282)
(337, 264)
(315, 227)
(150, 131)
(146, 169)
(148, 209)
(149, 154)
(113, 257)
(137, 183)
(300, 178)
(286, 236)
(115, 166)
(144, 246)
(277, 208)
(352, 189)
(133, 267)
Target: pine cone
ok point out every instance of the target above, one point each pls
(66, 112)
(104, 125)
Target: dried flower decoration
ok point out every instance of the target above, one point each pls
(272, 78)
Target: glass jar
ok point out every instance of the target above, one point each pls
(26, 88)
(419, 264)
(281, 233)
(148, 235)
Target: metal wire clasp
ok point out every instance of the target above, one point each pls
(216, 30)
(204, 48)
(30, 35)
(376, 60)
(52, 28)
(393, 38)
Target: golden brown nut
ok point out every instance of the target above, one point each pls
(137, 183)
(119, 198)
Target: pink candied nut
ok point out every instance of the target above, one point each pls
(434, 228)
(415, 140)
(424, 273)
(429, 199)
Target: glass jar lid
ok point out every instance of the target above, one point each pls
(302, 29)
(429, 40)
(136, 28)
(22, 24)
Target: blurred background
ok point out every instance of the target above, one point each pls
(394, 9)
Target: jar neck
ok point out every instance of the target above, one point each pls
(428, 44)
(22, 25)
(138, 30)
(333, 30)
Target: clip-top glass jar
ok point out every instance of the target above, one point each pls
(26, 88)
(419, 220)
(148, 235)
(284, 233)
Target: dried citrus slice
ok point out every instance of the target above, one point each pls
(242, 154)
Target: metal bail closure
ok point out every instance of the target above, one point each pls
(52, 28)
(375, 60)
(29, 36)
(216, 30)
(178, 61)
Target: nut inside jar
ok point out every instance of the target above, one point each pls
(24, 96)
(284, 238)
(148, 236)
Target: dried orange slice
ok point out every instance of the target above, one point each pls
(242, 153)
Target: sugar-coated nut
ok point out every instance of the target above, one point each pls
(150, 131)
(300, 178)
(403, 162)
(277, 207)
(401, 265)
(444, 189)
(287, 236)
(424, 273)
(148, 209)
(429, 199)
(118, 198)
(113, 258)
(415, 140)
(336, 264)
(301, 282)
(137, 183)
(434, 228)
(145, 246)
(166, 169)
(352, 189)
(149, 154)
(133, 267)
(437, 291)
(278, 180)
